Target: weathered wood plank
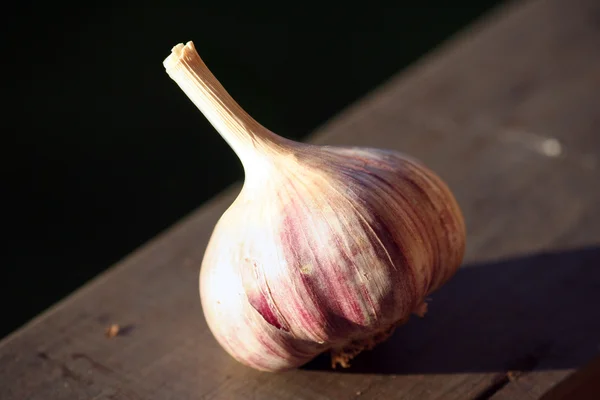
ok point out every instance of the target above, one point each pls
(581, 385)
(508, 113)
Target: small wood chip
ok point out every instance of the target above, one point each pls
(513, 375)
(112, 331)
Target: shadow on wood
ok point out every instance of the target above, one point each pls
(533, 312)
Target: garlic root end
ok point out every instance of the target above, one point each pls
(345, 354)
(342, 356)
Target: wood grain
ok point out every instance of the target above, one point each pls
(508, 113)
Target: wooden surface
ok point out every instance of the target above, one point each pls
(508, 113)
(584, 384)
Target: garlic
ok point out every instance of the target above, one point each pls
(325, 248)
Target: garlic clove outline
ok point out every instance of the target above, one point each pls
(325, 248)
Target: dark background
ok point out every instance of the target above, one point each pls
(103, 151)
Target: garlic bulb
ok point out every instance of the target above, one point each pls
(325, 248)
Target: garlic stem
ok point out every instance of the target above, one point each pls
(249, 139)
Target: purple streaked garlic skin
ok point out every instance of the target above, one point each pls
(325, 248)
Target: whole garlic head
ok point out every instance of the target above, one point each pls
(325, 248)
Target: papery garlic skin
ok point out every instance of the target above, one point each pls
(325, 248)
(338, 250)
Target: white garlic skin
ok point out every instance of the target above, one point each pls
(327, 248)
